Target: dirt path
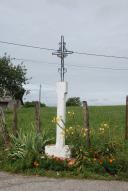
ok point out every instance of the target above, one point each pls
(9, 182)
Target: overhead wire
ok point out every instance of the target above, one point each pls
(101, 55)
(71, 65)
(75, 52)
(27, 46)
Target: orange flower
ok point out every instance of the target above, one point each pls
(61, 159)
(35, 164)
(110, 161)
(101, 162)
(71, 162)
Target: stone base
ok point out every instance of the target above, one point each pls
(52, 150)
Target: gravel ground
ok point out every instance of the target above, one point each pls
(10, 182)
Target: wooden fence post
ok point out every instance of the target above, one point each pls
(86, 123)
(37, 116)
(126, 125)
(3, 127)
(15, 118)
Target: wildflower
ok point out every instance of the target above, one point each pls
(71, 113)
(63, 133)
(66, 130)
(57, 173)
(42, 157)
(106, 125)
(35, 164)
(94, 159)
(110, 161)
(70, 128)
(56, 119)
(101, 162)
(101, 129)
(71, 162)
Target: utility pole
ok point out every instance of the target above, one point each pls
(40, 93)
(62, 52)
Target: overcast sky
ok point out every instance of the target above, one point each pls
(94, 26)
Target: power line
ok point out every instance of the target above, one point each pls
(75, 52)
(33, 61)
(101, 55)
(72, 65)
(101, 68)
(27, 46)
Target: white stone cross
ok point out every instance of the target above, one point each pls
(60, 149)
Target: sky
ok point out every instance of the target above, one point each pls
(93, 26)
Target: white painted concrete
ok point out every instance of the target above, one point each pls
(60, 149)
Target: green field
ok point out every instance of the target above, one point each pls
(112, 115)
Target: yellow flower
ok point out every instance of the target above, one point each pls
(101, 129)
(71, 113)
(56, 119)
(70, 128)
(66, 130)
(63, 133)
(106, 125)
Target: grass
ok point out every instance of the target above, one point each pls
(112, 115)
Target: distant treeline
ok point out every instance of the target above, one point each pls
(32, 104)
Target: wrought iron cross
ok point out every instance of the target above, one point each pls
(62, 52)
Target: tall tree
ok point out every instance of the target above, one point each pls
(12, 79)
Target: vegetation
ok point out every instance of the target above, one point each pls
(12, 79)
(73, 101)
(32, 104)
(105, 159)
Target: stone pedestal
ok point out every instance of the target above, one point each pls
(60, 149)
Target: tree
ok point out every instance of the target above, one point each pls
(12, 79)
(73, 101)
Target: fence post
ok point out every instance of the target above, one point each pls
(15, 118)
(126, 125)
(3, 127)
(37, 116)
(86, 123)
